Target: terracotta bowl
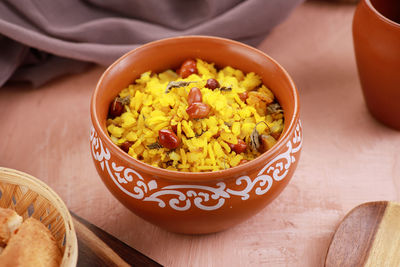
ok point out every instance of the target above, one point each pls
(189, 202)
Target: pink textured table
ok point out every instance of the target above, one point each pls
(348, 158)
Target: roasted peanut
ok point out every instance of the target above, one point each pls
(187, 68)
(212, 84)
(243, 96)
(116, 108)
(126, 145)
(194, 96)
(198, 110)
(168, 139)
(239, 147)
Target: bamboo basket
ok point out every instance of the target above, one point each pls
(30, 197)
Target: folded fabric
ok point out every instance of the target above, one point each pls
(43, 39)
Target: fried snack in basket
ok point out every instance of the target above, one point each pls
(30, 244)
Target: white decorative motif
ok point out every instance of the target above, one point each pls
(203, 197)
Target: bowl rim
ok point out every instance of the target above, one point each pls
(194, 176)
(371, 7)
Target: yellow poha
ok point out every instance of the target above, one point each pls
(195, 119)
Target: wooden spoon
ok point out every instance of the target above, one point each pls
(369, 235)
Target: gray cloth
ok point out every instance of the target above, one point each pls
(42, 39)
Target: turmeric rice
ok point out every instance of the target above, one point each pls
(196, 119)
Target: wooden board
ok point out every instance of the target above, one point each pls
(368, 236)
(98, 248)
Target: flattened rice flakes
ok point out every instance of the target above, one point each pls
(228, 119)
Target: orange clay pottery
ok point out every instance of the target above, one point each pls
(194, 202)
(376, 35)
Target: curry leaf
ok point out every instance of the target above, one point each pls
(274, 108)
(255, 136)
(226, 88)
(176, 84)
(155, 145)
(124, 100)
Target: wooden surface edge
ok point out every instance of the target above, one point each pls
(97, 247)
(384, 250)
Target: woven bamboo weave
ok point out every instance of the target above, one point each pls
(30, 197)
